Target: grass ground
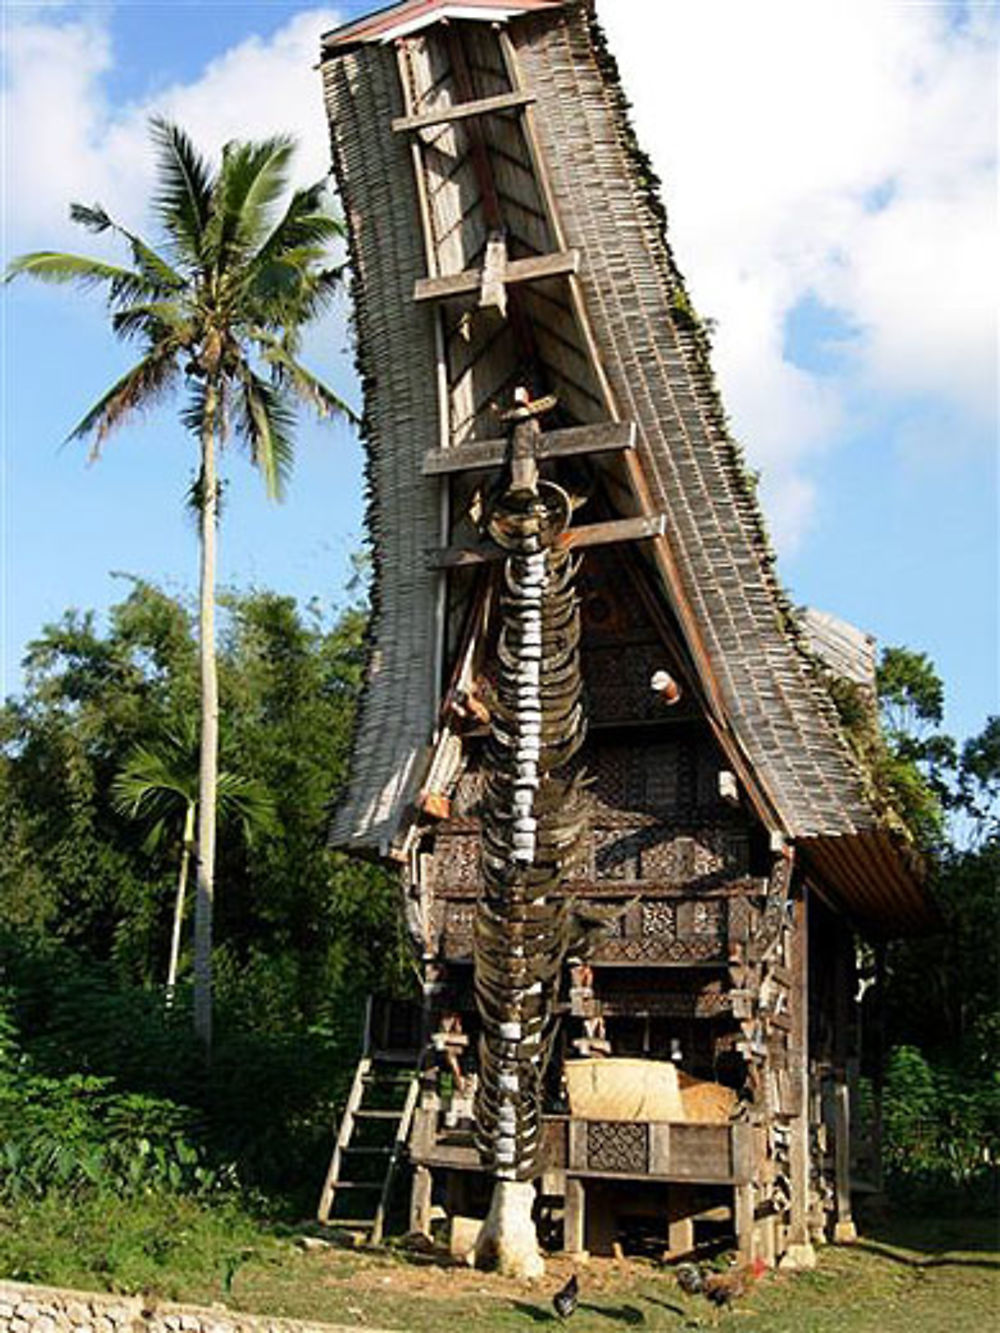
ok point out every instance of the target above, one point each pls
(910, 1276)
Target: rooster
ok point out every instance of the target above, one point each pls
(724, 1288)
(564, 1301)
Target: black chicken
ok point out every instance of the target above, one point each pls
(690, 1279)
(564, 1301)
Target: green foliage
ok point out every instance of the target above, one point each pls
(73, 866)
(911, 768)
(86, 903)
(172, 1244)
(942, 1131)
(79, 1133)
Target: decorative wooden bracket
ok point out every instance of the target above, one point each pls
(556, 265)
(592, 534)
(462, 110)
(606, 437)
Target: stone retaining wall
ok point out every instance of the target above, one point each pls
(31, 1309)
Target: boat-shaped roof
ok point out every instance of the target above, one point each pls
(445, 141)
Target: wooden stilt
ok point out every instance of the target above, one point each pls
(420, 1201)
(575, 1218)
(744, 1210)
(800, 1252)
(680, 1222)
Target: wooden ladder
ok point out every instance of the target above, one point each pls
(378, 1079)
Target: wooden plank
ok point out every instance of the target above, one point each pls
(593, 534)
(483, 106)
(558, 264)
(605, 437)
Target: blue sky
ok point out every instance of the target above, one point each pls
(830, 175)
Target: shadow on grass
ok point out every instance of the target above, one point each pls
(921, 1261)
(666, 1305)
(536, 1313)
(617, 1314)
(937, 1240)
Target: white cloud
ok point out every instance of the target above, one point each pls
(843, 150)
(64, 140)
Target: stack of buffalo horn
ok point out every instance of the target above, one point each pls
(533, 820)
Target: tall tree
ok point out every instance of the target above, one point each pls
(219, 307)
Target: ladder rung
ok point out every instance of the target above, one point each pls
(460, 110)
(380, 1151)
(358, 1185)
(378, 1115)
(351, 1222)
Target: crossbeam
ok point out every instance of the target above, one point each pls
(591, 534)
(556, 265)
(606, 437)
(483, 106)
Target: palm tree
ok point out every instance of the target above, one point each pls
(219, 308)
(159, 784)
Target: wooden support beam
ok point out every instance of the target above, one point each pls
(483, 106)
(593, 534)
(606, 437)
(556, 265)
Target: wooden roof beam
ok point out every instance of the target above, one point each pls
(606, 437)
(556, 265)
(592, 534)
(483, 106)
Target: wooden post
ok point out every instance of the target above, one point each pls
(420, 1201)
(844, 1232)
(575, 1217)
(680, 1222)
(800, 1252)
(743, 1207)
(843, 1228)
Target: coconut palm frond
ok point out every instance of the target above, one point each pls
(148, 262)
(304, 223)
(92, 216)
(153, 320)
(307, 387)
(138, 388)
(264, 422)
(252, 179)
(123, 284)
(182, 203)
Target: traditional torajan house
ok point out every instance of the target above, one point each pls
(517, 306)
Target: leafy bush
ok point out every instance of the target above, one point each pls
(110, 1090)
(942, 1132)
(79, 1132)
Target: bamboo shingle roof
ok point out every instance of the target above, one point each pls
(555, 169)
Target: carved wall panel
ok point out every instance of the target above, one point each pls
(614, 1145)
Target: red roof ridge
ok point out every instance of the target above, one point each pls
(407, 16)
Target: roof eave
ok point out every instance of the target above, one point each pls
(392, 22)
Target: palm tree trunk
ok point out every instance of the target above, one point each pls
(182, 879)
(209, 760)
